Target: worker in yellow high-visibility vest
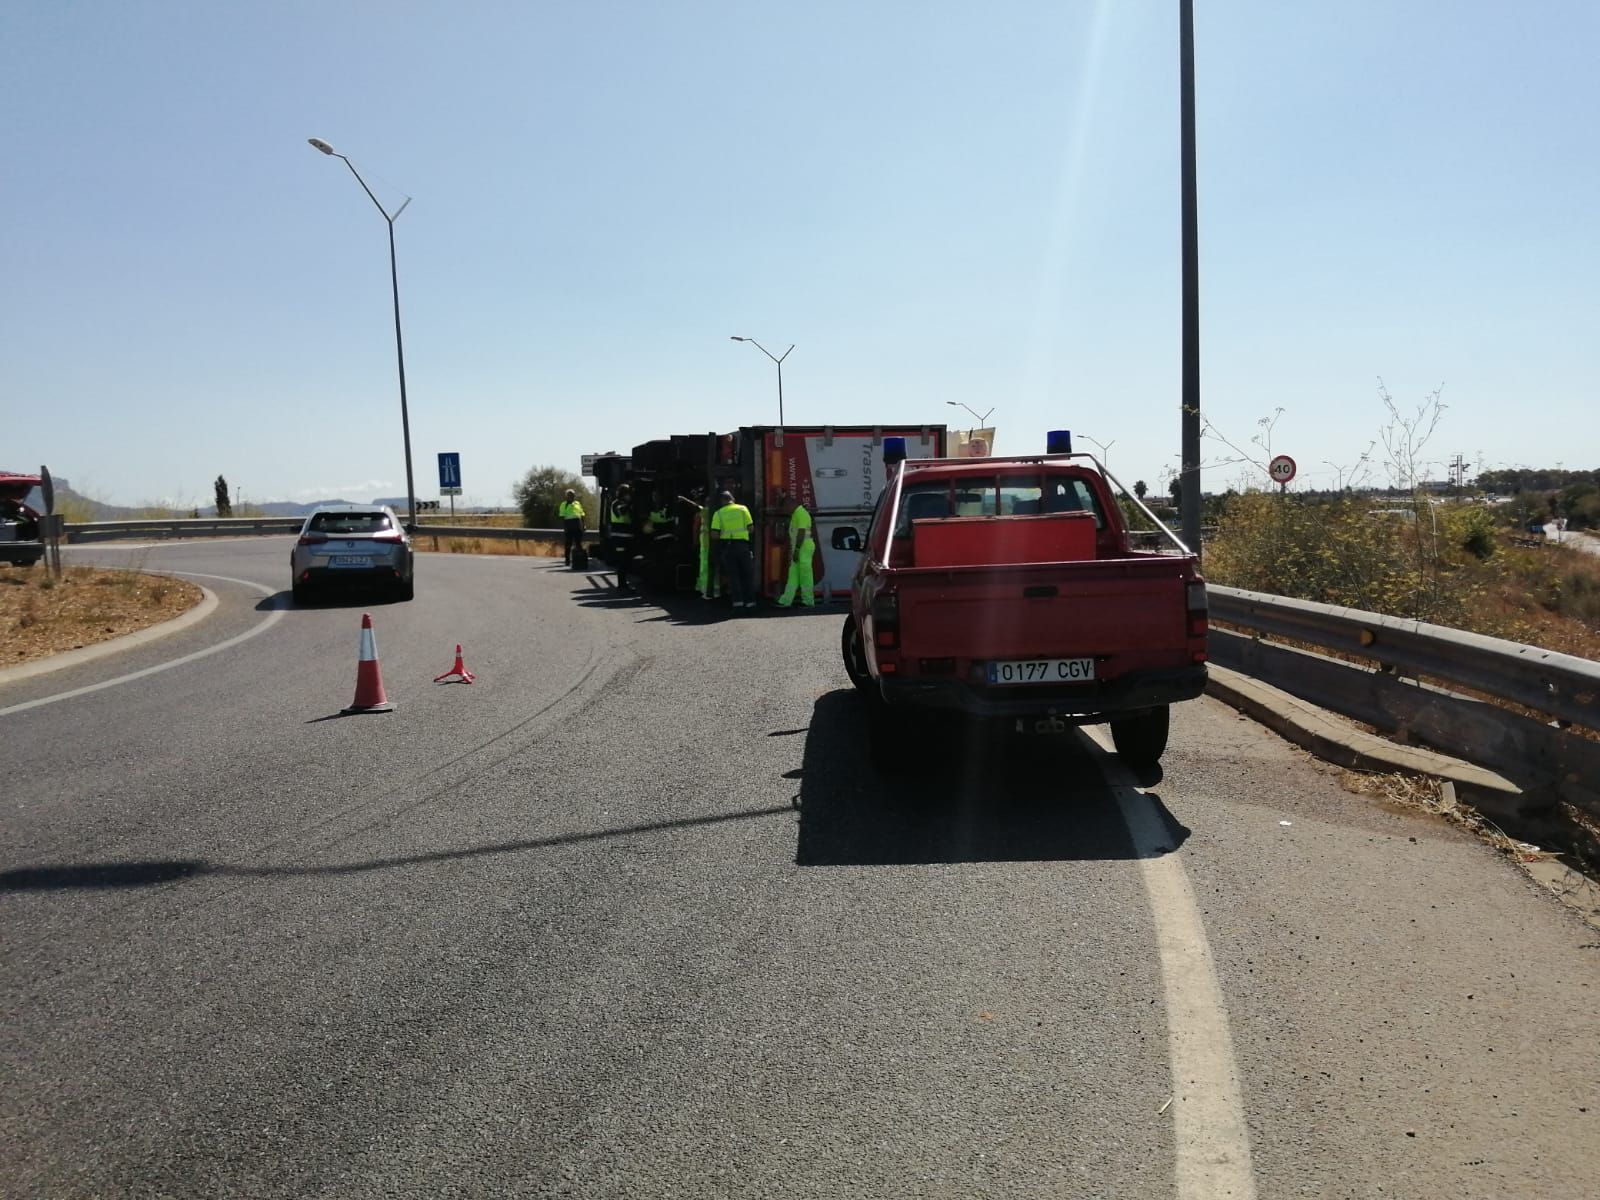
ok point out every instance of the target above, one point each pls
(802, 548)
(710, 570)
(730, 534)
(571, 513)
(620, 526)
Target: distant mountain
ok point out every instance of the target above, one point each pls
(287, 508)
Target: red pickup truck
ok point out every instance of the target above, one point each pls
(1006, 588)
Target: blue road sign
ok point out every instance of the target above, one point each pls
(449, 470)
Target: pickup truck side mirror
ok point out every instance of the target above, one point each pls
(846, 538)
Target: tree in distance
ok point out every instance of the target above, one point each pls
(1175, 490)
(540, 492)
(1140, 488)
(224, 505)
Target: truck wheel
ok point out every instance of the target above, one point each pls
(1142, 739)
(855, 655)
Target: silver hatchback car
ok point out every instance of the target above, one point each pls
(345, 546)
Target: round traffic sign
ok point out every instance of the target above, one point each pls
(1281, 469)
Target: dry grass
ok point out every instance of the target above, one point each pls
(481, 520)
(41, 615)
(547, 547)
(1424, 793)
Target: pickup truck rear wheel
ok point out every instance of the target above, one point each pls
(1142, 739)
(855, 655)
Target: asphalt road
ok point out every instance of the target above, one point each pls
(633, 916)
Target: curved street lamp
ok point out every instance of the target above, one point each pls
(983, 421)
(399, 346)
(1105, 449)
(779, 360)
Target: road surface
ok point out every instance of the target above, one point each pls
(632, 916)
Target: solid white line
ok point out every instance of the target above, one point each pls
(139, 637)
(1209, 1131)
(271, 619)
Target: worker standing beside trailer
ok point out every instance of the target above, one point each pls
(730, 533)
(802, 547)
(571, 513)
(621, 515)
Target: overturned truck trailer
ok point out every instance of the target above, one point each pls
(836, 471)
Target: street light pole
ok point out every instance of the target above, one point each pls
(983, 421)
(1190, 479)
(399, 344)
(779, 360)
(1105, 449)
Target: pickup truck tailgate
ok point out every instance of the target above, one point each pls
(1119, 609)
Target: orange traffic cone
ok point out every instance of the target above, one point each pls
(369, 679)
(457, 673)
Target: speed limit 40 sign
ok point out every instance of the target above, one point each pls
(1281, 469)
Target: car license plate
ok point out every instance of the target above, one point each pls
(352, 560)
(1042, 670)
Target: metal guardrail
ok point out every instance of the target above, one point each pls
(1562, 685)
(1399, 686)
(504, 532)
(105, 531)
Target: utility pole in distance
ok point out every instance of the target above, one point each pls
(1190, 472)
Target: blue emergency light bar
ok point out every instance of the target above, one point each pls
(1058, 441)
(894, 450)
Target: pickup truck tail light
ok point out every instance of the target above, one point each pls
(1199, 615)
(886, 620)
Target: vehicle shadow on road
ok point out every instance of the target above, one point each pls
(966, 795)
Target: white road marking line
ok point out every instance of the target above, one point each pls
(271, 619)
(1209, 1131)
(64, 659)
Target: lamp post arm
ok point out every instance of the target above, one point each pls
(370, 196)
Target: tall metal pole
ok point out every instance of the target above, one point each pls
(780, 388)
(1190, 477)
(399, 345)
(400, 357)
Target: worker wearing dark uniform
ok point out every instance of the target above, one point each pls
(571, 513)
(621, 518)
(730, 534)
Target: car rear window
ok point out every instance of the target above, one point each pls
(360, 522)
(996, 496)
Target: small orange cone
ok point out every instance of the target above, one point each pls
(369, 679)
(457, 673)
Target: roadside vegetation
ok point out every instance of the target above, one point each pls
(1468, 556)
(42, 615)
(1458, 564)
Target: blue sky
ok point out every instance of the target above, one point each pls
(934, 202)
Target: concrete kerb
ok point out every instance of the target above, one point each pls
(1335, 740)
(128, 641)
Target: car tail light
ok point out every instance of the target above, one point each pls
(886, 620)
(1199, 615)
(312, 539)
